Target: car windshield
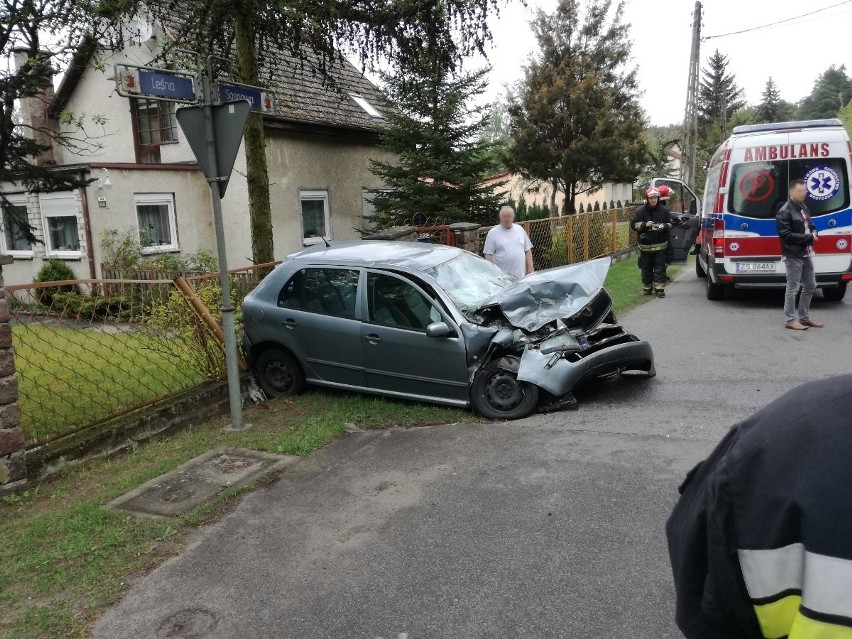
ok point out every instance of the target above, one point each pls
(470, 281)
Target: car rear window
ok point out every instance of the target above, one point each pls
(759, 189)
(327, 291)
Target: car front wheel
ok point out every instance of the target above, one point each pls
(278, 373)
(497, 394)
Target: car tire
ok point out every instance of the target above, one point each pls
(835, 294)
(715, 292)
(699, 270)
(496, 393)
(278, 373)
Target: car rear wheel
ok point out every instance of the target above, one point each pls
(835, 294)
(715, 291)
(278, 373)
(699, 270)
(497, 394)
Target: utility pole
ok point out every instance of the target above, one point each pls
(690, 120)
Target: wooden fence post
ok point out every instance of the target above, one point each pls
(614, 231)
(569, 238)
(586, 237)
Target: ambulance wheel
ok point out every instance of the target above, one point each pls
(699, 270)
(835, 294)
(715, 292)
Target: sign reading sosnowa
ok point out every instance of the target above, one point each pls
(156, 84)
(259, 99)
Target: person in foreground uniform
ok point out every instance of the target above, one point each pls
(760, 540)
(653, 222)
(798, 235)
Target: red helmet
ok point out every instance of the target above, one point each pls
(665, 192)
(651, 192)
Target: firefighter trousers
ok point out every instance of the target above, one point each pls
(653, 266)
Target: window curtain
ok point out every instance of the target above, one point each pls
(313, 218)
(154, 228)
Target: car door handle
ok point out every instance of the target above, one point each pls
(290, 322)
(373, 338)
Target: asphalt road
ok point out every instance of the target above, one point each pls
(547, 527)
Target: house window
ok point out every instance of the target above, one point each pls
(368, 207)
(369, 109)
(154, 124)
(15, 225)
(316, 218)
(155, 214)
(59, 213)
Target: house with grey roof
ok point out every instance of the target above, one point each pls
(320, 140)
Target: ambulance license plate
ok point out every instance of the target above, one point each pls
(756, 267)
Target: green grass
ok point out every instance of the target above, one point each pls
(625, 286)
(70, 377)
(65, 558)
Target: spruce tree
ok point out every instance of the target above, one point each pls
(441, 156)
(719, 97)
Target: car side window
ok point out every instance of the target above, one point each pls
(328, 291)
(393, 302)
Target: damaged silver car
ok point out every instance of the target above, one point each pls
(434, 323)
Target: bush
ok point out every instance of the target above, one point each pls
(54, 271)
(121, 251)
(86, 307)
(619, 204)
(597, 206)
(581, 210)
(612, 204)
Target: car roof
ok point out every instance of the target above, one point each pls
(419, 256)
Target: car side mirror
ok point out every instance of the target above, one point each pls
(438, 329)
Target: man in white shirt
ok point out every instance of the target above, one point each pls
(508, 246)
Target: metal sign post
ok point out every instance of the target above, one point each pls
(214, 132)
(216, 149)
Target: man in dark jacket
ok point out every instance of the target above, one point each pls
(797, 235)
(761, 538)
(653, 222)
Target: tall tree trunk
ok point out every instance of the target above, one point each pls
(260, 209)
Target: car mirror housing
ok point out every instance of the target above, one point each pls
(438, 329)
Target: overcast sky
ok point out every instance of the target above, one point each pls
(794, 54)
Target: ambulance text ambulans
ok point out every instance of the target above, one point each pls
(746, 185)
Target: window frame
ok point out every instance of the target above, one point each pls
(18, 200)
(356, 316)
(315, 195)
(48, 244)
(435, 304)
(150, 153)
(158, 198)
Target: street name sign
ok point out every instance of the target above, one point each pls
(157, 84)
(260, 99)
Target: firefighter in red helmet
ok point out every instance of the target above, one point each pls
(653, 222)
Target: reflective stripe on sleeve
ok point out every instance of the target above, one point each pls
(807, 628)
(769, 573)
(799, 594)
(776, 618)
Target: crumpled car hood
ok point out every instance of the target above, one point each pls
(545, 296)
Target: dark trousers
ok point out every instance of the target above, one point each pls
(653, 265)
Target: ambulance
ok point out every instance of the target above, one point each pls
(747, 182)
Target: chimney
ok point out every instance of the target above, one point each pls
(35, 116)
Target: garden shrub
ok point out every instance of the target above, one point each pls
(54, 271)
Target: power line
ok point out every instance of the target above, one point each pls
(773, 24)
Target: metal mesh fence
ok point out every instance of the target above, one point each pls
(568, 239)
(90, 350)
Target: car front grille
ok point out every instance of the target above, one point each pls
(592, 314)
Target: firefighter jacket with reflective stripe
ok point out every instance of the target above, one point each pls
(761, 538)
(652, 239)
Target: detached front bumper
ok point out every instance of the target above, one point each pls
(559, 373)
